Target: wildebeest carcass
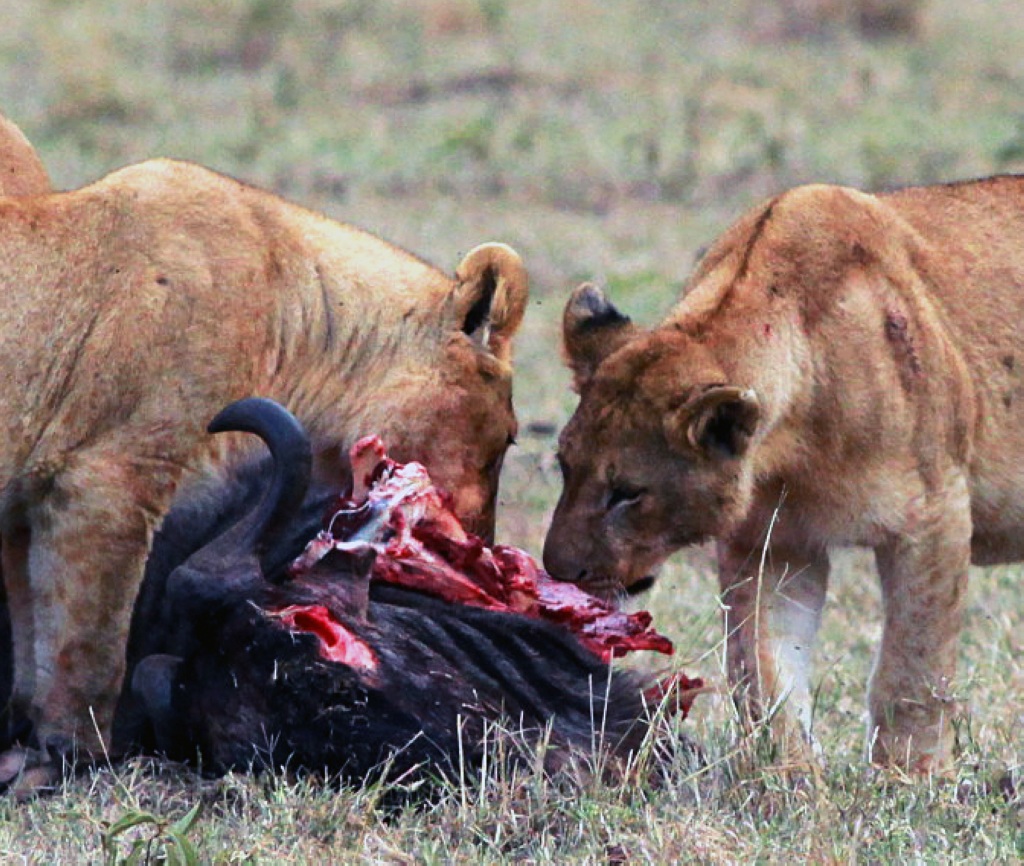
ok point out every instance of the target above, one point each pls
(391, 640)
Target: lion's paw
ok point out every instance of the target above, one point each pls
(27, 773)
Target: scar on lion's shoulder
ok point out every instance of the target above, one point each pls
(897, 331)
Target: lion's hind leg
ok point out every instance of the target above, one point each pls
(923, 574)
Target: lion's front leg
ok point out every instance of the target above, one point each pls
(773, 599)
(924, 578)
(89, 539)
(83, 602)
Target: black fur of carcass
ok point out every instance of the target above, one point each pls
(215, 674)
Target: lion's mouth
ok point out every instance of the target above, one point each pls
(640, 586)
(615, 591)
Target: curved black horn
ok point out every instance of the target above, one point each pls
(229, 566)
(292, 463)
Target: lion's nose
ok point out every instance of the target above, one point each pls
(641, 585)
(482, 528)
(578, 578)
(560, 565)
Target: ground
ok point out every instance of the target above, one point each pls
(609, 142)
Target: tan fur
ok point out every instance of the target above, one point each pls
(842, 369)
(21, 170)
(136, 308)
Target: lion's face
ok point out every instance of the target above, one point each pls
(653, 459)
(444, 397)
(459, 426)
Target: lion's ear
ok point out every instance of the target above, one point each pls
(592, 328)
(490, 296)
(720, 421)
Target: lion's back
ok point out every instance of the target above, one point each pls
(975, 256)
(110, 289)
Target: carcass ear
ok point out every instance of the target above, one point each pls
(592, 328)
(343, 574)
(153, 683)
(720, 421)
(490, 297)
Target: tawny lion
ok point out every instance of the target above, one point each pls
(842, 369)
(134, 310)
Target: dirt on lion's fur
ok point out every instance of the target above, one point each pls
(605, 142)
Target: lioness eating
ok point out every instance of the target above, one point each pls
(842, 369)
(134, 309)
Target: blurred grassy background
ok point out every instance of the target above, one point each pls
(605, 141)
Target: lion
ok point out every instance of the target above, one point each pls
(138, 306)
(21, 173)
(21, 170)
(841, 369)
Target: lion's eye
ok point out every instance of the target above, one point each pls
(623, 495)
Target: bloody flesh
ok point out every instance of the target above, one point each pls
(337, 643)
(420, 545)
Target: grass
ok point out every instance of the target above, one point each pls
(607, 142)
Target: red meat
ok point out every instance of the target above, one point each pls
(420, 545)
